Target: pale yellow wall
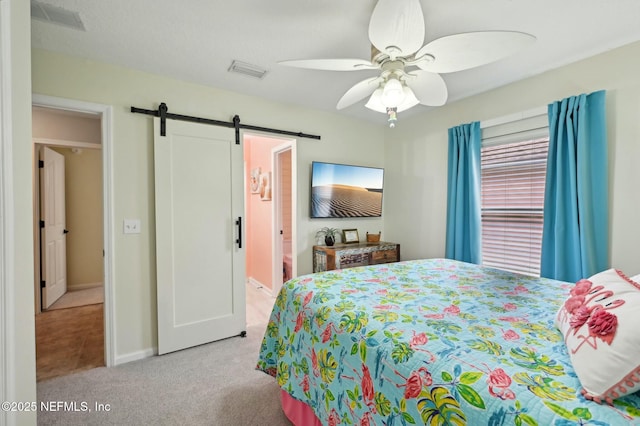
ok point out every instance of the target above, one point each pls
(343, 140)
(83, 202)
(416, 152)
(20, 353)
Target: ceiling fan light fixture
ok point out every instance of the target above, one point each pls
(392, 93)
(397, 36)
(375, 101)
(410, 99)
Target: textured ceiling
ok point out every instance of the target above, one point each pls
(196, 40)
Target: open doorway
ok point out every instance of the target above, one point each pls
(68, 241)
(73, 323)
(270, 204)
(284, 217)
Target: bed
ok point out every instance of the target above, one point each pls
(430, 341)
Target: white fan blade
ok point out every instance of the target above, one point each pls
(359, 91)
(331, 64)
(397, 27)
(468, 50)
(375, 101)
(429, 88)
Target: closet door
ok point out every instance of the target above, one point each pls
(200, 259)
(53, 238)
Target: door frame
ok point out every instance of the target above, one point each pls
(105, 112)
(7, 274)
(276, 215)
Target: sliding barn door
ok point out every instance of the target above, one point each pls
(199, 193)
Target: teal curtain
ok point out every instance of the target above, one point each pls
(464, 228)
(575, 236)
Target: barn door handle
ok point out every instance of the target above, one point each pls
(239, 239)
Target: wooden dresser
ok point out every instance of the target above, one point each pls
(339, 256)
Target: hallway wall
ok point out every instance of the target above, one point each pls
(259, 212)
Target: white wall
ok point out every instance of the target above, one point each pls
(416, 152)
(17, 337)
(343, 140)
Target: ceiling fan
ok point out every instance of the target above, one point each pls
(410, 70)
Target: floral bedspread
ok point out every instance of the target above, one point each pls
(429, 342)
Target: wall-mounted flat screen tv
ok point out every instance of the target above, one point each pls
(343, 191)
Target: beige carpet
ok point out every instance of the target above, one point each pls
(71, 299)
(214, 384)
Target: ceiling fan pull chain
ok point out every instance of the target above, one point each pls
(393, 117)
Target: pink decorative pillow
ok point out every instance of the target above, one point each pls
(600, 321)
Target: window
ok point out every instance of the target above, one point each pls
(513, 168)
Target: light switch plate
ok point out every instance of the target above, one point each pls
(131, 226)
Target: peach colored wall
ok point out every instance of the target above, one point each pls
(259, 215)
(61, 125)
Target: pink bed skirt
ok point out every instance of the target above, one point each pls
(298, 412)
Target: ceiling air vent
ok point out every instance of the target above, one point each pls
(56, 15)
(247, 69)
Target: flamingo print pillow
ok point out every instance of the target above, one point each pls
(599, 321)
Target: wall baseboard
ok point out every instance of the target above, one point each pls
(135, 356)
(257, 284)
(76, 287)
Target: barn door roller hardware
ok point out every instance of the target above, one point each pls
(163, 113)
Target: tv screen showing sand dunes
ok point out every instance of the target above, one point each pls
(341, 190)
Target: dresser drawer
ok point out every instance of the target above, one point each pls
(384, 256)
(353, 260)
(340, 256)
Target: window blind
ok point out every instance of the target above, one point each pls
(535, 124)
(513, 179)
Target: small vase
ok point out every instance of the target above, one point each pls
(329, 240)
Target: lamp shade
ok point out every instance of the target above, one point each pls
(392, 93)
(375, 101)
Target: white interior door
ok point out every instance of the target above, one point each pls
(284, 208)
(53, 237)
(200, 256)
(278, 226)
